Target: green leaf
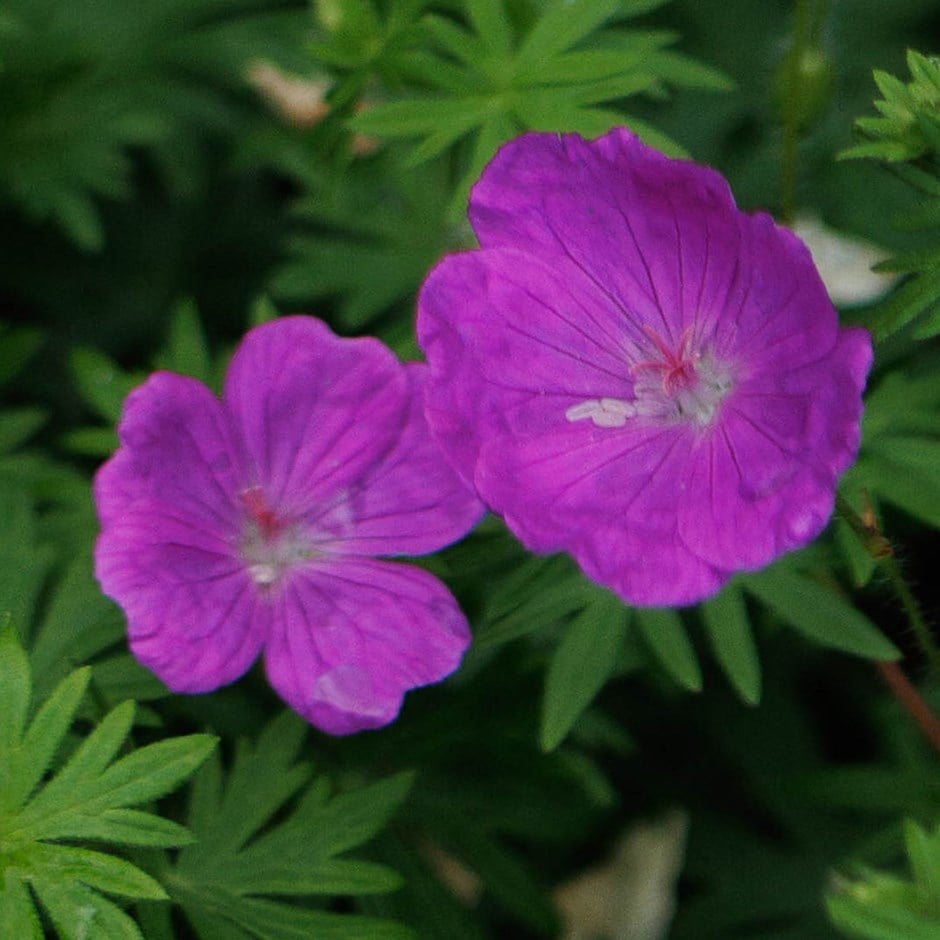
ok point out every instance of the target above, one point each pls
(76, 803)
(93, 869)
(17, 912)
(377, 239)
(262, 310)
(908, 127)
(636, 7)
(91, 442)
(859, 560)
(79, 913)
(479, 83)
(688, 73)
(923, 851)
(539, 592)
(506, 877)
(456, 41)
(220, 878)
(583, 65)
(40, 744)
(902, 403)
(897, 483)
(878, 923)
(273, 920)
(102, 385)
(583, 661)
(881, 906)
(17, 346)
(19, 425)
(905, 469)
(421, 116)
(15, 690)
(819, 613)
(79, 623)
(491, 25)
(186, 351)
(664, 634)
(24, 563)
(914, 298)
(732, 641)
(562, 26)
(655, 138)
(121, 677)
(87, 800)
(496, 131)
(85, 86)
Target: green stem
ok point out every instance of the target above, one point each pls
(914, 617)
(790, 159)
(878, 547)
(791, 131)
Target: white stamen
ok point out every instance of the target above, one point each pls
(263, 574)
(604, 412)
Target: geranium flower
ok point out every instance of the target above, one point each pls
(632, 370)
(251, 523)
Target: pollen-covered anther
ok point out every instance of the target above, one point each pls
(603, 412)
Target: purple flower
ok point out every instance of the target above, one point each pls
(632, 370)
(247, 524)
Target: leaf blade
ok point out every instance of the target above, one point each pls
(583, 661)
(819, 613)
(666, 637)
(732, 641)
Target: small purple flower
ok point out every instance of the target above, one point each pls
(247, 524)
(632, 370)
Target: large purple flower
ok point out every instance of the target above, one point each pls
(632, 370)
(251, 523)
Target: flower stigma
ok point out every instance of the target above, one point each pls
(270, 545)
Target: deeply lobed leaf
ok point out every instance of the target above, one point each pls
(240, 855)
(84, 800)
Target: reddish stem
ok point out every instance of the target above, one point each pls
(912, 702)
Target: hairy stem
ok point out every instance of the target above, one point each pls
(912, 702)
(878, 547)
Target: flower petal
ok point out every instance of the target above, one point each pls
(608, 497)
(314, 411)
(412, 503)
(176, 449)
(659, 235)
(167, 505)
(646, 567)
(193, 616)
(782, 317)
(353, 635)
(763, 482)
(513, 344)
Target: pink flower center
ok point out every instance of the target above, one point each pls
(688, 384)
(671, 383)
(676, 366)
(260, 513)
(270, 544)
